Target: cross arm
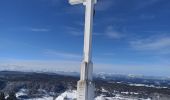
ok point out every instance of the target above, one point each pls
(74, 2)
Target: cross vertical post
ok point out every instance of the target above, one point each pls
(85, 86)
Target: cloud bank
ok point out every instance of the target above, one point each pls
(156, 44)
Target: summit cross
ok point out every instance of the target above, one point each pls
(85, 86)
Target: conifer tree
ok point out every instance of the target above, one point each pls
(12, 96)
(2, 96)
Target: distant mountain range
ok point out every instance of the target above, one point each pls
(60, 85)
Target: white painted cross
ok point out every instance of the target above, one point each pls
(88, 25)
(74, 2)
(85, 86)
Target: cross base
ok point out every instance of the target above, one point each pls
(85, 90)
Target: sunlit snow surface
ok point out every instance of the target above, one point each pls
(68, 95)
(71, 95)
(116, 98)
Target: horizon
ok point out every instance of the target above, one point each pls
(77, 74)
(129, 37)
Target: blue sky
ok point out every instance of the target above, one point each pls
(129, 36)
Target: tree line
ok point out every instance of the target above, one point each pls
(11, 96)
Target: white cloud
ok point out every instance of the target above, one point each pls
(39, 65)
(74, 31)
(146, 3)
(62, 54)
(77, 32)
(112, 33)
(79, 9)
(145, 16)
(74, 66)
(109, 54)
(143, 69)
(39, 29)
(103, 5)
(52, 2)
(160, 44)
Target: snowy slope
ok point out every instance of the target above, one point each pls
(68, 95)
(71, 95)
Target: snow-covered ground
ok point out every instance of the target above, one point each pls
(71, 95)
(68, 95)
(147, 86)
(117, 97)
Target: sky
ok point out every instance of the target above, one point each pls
(129, 36)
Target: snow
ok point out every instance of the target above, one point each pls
(103, 90)
(147, 86)
(117, 97)
(71, 95)
(100, 98)
(22, 92)
(43, 98)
